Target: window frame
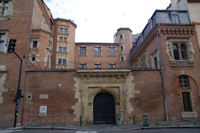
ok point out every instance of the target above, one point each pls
(2, 42)
(97, 51)
(83, 51)
(97, 66)
(112, 66)
(111, 51)
(185, 89)
(189, 52)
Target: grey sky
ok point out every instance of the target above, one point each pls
(98, 20)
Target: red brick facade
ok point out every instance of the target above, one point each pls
(154, 79)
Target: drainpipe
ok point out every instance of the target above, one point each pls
(29, 41)
(162, 75)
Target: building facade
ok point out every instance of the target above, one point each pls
(67, 82)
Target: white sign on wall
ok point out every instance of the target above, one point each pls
(43, 111)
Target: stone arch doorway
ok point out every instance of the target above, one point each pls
(104, 109)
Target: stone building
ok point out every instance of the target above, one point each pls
(68, 82)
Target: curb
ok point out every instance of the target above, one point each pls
(93, 128)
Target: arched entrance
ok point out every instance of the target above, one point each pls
(104, 109)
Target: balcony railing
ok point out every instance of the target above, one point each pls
(161, 17)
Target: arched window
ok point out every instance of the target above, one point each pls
(185, 92)
(175, 50)
(183, 52)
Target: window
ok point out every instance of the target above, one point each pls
(122, 48)
(65, 39)
(60, 49)
(35, 44)
(97, 51)
(61, 39)
(176, 53)
(111, 51)
(122, 59)
(59, 61)
(184, 82)
(121, 36)
(33, 59)
(174, 17)
(2, 39)
(82, 66)
(64, 61)
(65, 31)
(180, 52)
(64, 50)
(183, 52)
(187, 106)
(61, 30)
(112, 66)
(83, 51)
(186, 98)
(3, 8)
(97, 66)
(156, 62)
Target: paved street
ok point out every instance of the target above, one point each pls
(174, 130)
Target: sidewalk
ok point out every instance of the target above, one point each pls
(159, 125)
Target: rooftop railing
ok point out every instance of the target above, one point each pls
(161, 17)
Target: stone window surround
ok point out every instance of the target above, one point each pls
(154, 55)
(3, 75)
(6, 39)
(62, 49)
(10, 10)
(31, 62)
(124, 58)
(187, 113)
(38, 42)
(62, 58)
(189, 49)
(63, 29)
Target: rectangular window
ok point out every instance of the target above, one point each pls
(59, 61)
(82, 66)
(35, 44)
(64, 50)
(83, 51)
(61, 30)
(97, 51)
(187, 106)
(61, 39)
(65, 31)
(60, 49)
(65, 39)
(2, 39)
(184, 82)
(3, 8)
(97, 66)
(156, 62)
(112, 66)
(111, 51)
(64, 61)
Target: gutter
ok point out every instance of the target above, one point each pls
(26, 68)
(162, 75)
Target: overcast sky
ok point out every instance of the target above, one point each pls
(98, 20)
